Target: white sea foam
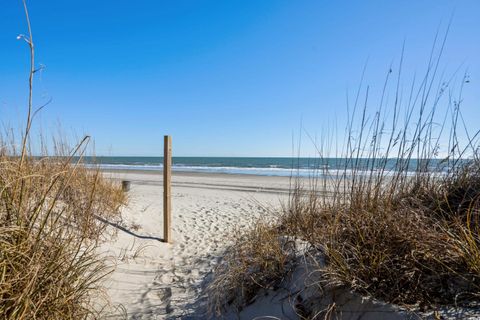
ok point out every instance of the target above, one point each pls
(270, 171)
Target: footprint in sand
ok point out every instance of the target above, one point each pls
(195, 273)
(166, 278)
(164, 293)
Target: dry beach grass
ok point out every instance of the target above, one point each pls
(398, 223)
(395, 223)
(49, 232)
(48, 228)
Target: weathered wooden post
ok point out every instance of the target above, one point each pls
(167, 190)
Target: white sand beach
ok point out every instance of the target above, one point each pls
(155, 280)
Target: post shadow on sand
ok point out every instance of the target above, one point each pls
(116, 225)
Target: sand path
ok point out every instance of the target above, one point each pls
(155, 280)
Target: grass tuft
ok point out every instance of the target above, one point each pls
(48, 236)
(49, 231)
(398, 222)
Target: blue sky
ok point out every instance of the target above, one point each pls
(224, 78)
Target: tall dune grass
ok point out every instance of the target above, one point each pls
(399, 222)
(48, 228)
(48, 236)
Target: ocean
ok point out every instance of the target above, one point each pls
(274, 166)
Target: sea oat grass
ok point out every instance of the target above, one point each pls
(257, 261)
(49, 231)
(48, 234)
(397, 222)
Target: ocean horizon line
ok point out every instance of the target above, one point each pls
(265, 166)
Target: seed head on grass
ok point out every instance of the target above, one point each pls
(397, 222)
(49, 268)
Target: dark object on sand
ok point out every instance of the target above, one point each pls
(125, 185)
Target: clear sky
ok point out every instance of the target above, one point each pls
(224, 78)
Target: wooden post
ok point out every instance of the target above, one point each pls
(125, 185)
(167, 191)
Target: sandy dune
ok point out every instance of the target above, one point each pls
(155, 280)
